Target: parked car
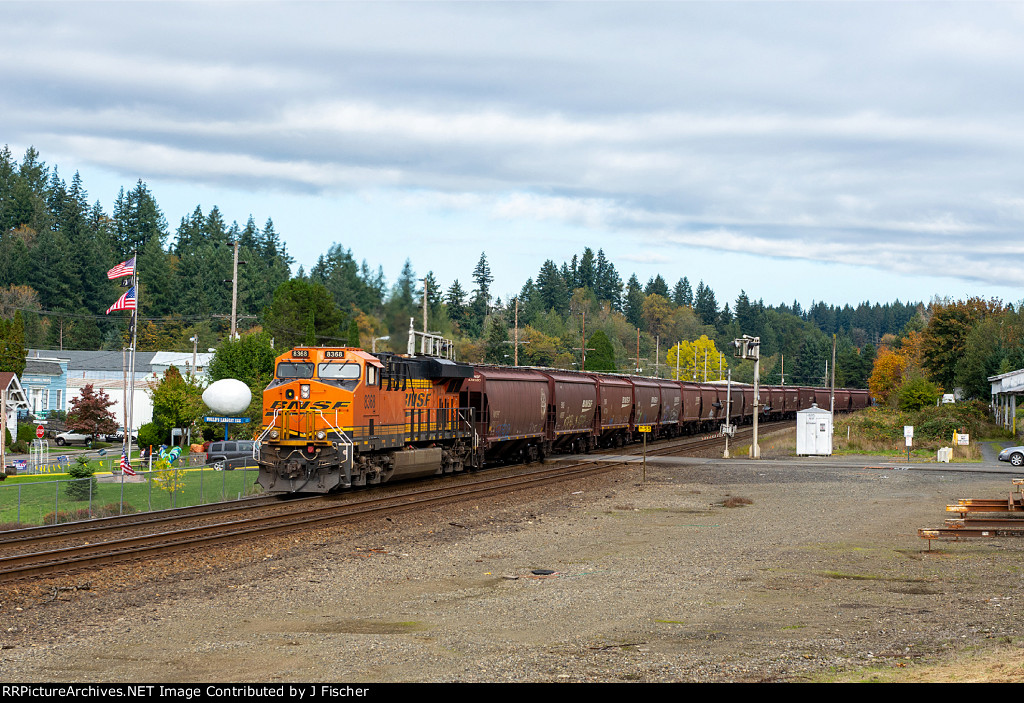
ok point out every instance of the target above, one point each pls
(118, 436)
(1014, 455)
(73, 437)
(231, 454)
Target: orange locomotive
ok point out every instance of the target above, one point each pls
(341, 417)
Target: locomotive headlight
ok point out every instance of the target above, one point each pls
(321, 434)
(274, 434)
(304, 391)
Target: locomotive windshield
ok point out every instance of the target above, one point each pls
(339, 371)
(295, 369)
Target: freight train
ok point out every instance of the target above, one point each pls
(341, 417)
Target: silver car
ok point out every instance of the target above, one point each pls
(1014, 455)
(71, 437)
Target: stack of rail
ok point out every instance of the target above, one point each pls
(961, 527)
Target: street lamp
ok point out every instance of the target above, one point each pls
(373, 346)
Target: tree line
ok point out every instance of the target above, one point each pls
(55, 249)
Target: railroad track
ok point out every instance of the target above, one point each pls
(21, 557)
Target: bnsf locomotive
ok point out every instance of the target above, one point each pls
(341, 417)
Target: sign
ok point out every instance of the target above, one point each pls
(908, 431)
(643, 428)
(40, 431)
(229, 420)
(963, 440)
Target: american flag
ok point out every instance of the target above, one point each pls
(125, 302)
(126, 268)
(126, 466)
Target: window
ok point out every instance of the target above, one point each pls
(295, 369)
(334, 370)
(371, 375)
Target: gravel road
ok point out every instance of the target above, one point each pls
(816, 570)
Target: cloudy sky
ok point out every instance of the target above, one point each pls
(809, 151)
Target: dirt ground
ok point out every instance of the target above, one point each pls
(709, 570)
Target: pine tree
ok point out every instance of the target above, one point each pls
(705, 305)
(682, 295)
(634, 302)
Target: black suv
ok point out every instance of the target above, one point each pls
(231, 454)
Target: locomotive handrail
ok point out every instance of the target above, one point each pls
(339, 432)
(272, 425)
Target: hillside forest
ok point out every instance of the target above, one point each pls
(56, 247)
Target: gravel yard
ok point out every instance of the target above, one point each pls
(816, 571)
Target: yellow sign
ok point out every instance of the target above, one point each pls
(643, 428)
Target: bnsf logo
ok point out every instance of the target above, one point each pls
(307, 405)
(417, 400)
(587, 404)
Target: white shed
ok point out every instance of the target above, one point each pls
(814, 432)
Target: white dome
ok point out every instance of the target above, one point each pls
(228, 396)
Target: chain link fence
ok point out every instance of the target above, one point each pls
(47, 502)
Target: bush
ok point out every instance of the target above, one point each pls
(26, 432)
(150, 435)
(916, 393)
(83, 483)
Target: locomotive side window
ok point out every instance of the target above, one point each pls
(371, 375)
(338, 371)
(295, 369)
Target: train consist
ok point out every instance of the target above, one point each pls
(341, 417)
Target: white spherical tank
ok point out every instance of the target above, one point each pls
(228, 396)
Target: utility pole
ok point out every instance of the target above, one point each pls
(234, 292)
(637, 358)
(515, 338)
(3, 430)
(832, 392)
(582, 349)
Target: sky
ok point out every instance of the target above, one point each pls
(798, 151)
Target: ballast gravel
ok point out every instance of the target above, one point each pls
(818, 568)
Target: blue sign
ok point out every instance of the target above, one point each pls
(231, 420)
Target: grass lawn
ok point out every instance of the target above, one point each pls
(32, 500)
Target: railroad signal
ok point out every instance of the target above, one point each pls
(747, 347)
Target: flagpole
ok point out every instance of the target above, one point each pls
(127, 446)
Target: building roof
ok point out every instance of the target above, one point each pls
(181, 359)
(42, 367)
(97, 360)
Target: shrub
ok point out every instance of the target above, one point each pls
(916, 393)
(84, 483)
(26, 432)
(150, 435)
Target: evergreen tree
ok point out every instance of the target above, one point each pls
(303, 314)
(634, 304)
(552, 289)
(602, 357)
(705, 305)
(456, 302)
(682, 294)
